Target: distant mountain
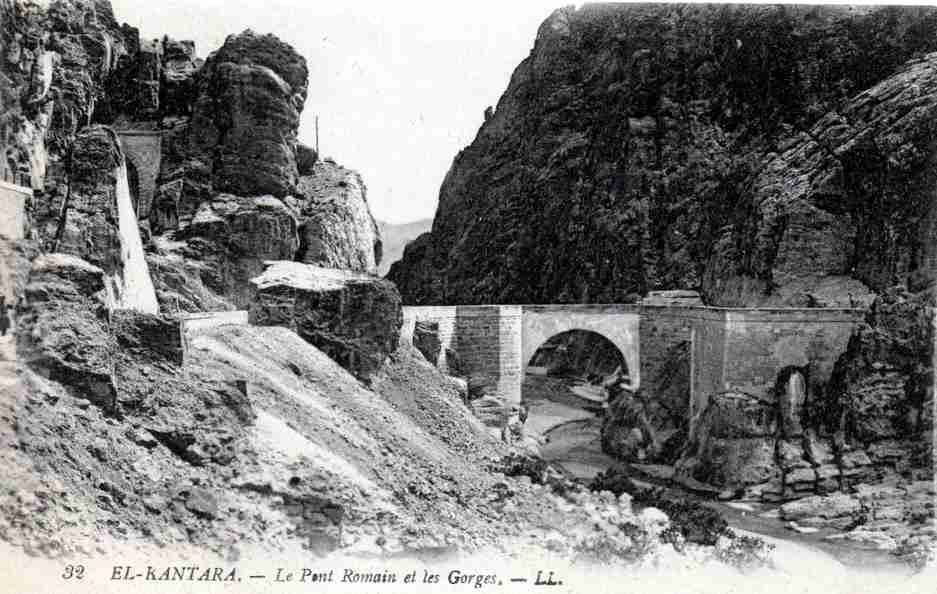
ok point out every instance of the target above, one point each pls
(396, 237)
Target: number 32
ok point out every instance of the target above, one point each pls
(73, 571)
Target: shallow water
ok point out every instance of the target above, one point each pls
(569, 428)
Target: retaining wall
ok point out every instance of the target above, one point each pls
(13, 210)
(190, 325)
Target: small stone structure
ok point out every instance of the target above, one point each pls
(12, 229)
(143, 152)
(193, 324)
(731, 348)
(13, 210)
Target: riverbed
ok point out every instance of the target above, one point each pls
(568, 427)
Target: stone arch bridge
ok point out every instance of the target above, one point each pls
(740, 349)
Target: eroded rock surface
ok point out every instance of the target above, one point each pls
(250, 96)
(762, 155)
(337, 229)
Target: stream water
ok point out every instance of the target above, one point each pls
(569, 426)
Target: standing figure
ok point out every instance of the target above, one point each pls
(4, 316)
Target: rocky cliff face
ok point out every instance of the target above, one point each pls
(233, 186)
(737, 150)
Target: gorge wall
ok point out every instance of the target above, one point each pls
(763, 155)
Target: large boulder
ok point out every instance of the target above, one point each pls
(353, 318)
(62, 328)
(251, 92)
(733, 443)
(661, 410)
(883, 384)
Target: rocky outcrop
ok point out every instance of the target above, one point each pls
(95, 220)
(827, 219)
(355, 319)
(231, 237)
(733, 443)
(884, 387)
(753, 153)
(61, 330)
(898, 518)
(250, 96)
(178, 282)
(226, 152)
(337, 229)
(651, 425)
(57, 61)
(236, 188)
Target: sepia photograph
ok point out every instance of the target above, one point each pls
(499, 297)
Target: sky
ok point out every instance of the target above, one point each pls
(400, 88)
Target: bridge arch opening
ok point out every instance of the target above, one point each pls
(566, 386)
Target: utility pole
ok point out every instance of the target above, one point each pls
(317, 134)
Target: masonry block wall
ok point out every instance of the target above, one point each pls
(620, 324)
(708, 359)
(143, 151)
(661, 329)
(510, 364)
(759, 343)
(485, 337)
(744, 350)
